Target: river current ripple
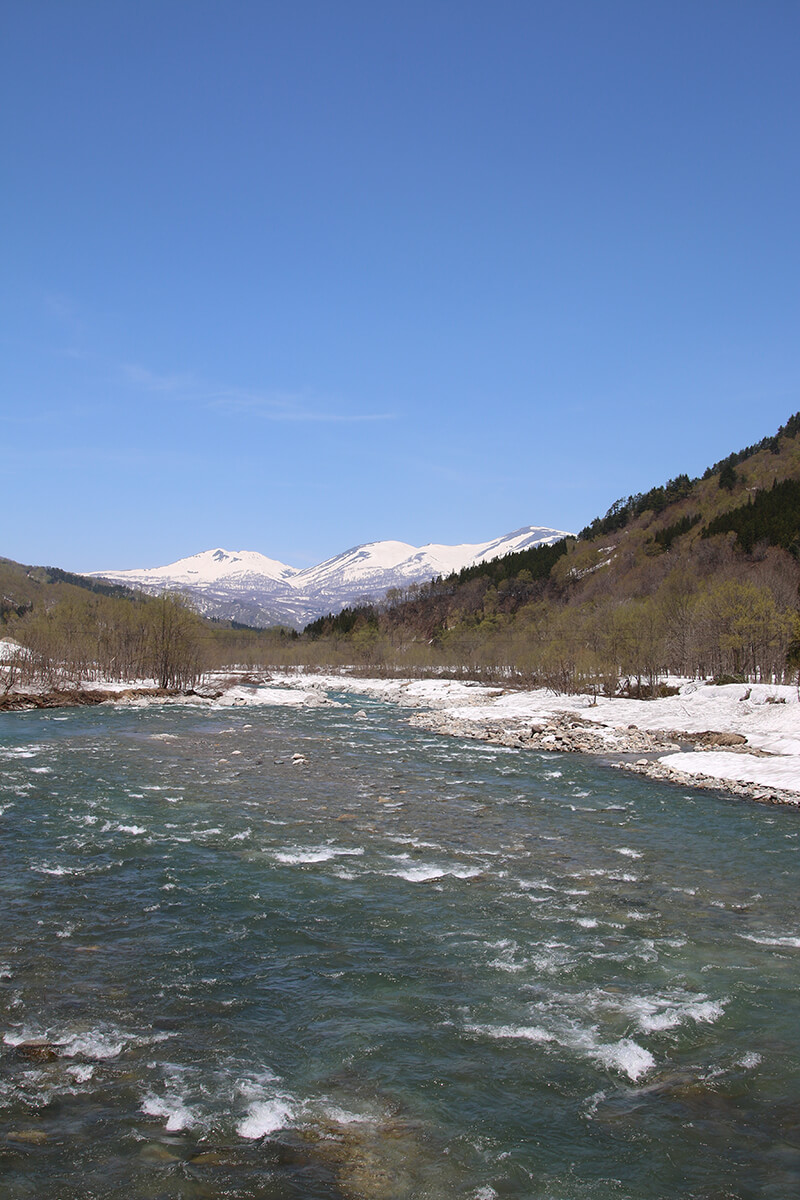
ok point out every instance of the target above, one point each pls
(298, 953)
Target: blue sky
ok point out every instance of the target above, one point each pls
(291, 276)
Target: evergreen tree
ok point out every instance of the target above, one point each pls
(728, 477)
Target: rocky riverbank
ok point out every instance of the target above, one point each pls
(570, 733)
(749, 791)
(742, 739)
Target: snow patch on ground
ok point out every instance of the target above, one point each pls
(781, 771)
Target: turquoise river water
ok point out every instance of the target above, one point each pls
(406, 967)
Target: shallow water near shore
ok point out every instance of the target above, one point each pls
(395, 965)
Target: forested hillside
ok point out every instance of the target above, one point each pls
(76, 629)
(694, 577)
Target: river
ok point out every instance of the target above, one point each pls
(296, 953)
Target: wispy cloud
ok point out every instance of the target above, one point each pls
(175, 382)
(65, 310)
(266, 406)
(285, 406)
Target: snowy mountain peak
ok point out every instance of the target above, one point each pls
(246, 586)
(209, 566)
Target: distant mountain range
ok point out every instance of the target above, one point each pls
(248, 587)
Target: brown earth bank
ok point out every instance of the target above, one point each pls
(78, 697)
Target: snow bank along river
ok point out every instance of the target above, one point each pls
(742, 737)
(290, 951)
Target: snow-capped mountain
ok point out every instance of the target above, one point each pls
(249, 587)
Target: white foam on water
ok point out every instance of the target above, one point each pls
(626, 1056)
(419, 874)
(626, 850)
(81, 1072)
(299, 855)
(341, 1116)
(593, 1103)
(41, 770)
(266, 1116)
(657, 1013)
(749, 1060)
(506, 964)
(586, 922)
(44, 869)
(527, 1033)
(707, 1011)
(136, 830)
(96, 1044)
(485, 1193)
(424, 872)
(774, 940)
(240, 837)
(172, 1108)
(19, 1038)
(417, 843)
(93, 1043)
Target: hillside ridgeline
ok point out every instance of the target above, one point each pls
(697, 577)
